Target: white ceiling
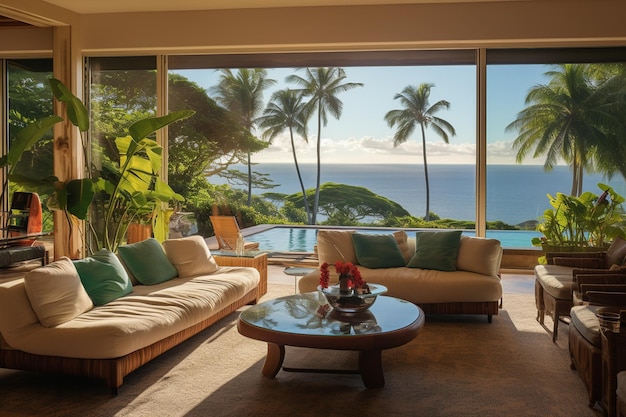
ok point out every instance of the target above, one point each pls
(115, 6)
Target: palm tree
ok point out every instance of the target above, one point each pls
(242, 93)
(417, 111)
(322, 86)
(574, 118)
(287, 109)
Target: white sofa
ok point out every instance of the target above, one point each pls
(472, 287)
(96, 318)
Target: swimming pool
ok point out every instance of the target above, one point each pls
(282, 238)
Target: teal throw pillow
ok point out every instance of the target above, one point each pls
(147, 261)
(377, 250)
(103, 277)
(436, 250)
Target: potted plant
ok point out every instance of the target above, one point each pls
(117, 193)
(587, 222)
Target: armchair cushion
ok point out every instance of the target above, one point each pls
(584, 319)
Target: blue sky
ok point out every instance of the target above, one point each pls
(362, 135)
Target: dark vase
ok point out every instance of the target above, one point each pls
(343, 284)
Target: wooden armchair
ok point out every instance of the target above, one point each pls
(614, 255)
(588, 343)
(554, 286)
(226, 231)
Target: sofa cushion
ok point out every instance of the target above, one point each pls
(103, 277)
(423, 286)
(147, 261)
(479, 255)
(56, 293)
(148, 315)
(377, 250)
(436, 250)
(335, 245)
(190, 255)
(616, 253)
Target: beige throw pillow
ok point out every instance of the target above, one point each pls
(479, 255)
(403, 243)
(335, 245)
(190, 255)
(56, 293)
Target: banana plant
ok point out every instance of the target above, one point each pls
(127, 192)
(137, 193)
(124, 193)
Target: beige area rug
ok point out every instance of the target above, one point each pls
(457, 366)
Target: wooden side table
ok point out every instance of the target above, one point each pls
(254, 259)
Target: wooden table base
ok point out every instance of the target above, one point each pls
(370, 366)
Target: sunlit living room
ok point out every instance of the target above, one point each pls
(199, 327)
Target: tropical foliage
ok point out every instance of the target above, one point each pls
(131, 185)
(578, 117)
(585, 221)
(347, 204)
(242, 94)
(417, 112)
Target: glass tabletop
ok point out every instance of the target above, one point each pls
(298, 314)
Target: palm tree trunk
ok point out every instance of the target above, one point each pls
(319, 155)
(577, 176)
(249, 180)
(295, 161)
(427, 216)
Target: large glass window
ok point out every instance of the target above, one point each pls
(30, 99)
(545, 117)
(370, 135)
(121, 91)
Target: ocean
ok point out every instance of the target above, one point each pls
(515, 193)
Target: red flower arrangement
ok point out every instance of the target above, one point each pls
(347, 271)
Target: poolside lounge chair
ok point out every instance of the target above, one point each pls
(226, 230)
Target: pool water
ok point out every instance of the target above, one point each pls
(302, 239)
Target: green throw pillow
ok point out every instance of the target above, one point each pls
(377, 250)
(147, 261)
(103, 277)
(436, 250)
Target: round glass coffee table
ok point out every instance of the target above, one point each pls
(295, 320)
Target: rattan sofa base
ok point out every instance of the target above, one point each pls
(113, 371)
(485, 307)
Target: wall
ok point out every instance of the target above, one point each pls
(458, 25)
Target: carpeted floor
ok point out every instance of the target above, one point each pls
(457, 366)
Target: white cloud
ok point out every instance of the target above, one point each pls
(381, 150)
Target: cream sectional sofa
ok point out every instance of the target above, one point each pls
(102, 318)
(470, 283)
